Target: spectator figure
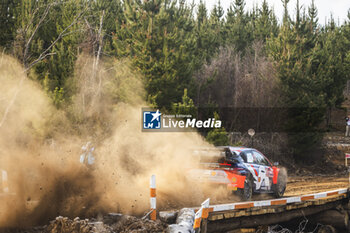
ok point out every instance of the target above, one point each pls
(347, 131)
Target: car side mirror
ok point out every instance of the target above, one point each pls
(276, 164)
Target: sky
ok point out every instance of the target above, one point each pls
(338, 8)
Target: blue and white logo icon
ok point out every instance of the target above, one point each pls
(151, 120)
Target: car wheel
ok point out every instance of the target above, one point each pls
(246, 192)
(281, 185)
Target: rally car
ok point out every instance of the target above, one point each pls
(245, 170)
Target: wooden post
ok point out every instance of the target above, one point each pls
(205, 215)
(153, 214)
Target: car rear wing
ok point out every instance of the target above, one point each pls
(216, 166)
(210, 165)
(210, 156)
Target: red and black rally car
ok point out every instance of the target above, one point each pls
(245, 170)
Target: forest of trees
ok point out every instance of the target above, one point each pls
(190, 55)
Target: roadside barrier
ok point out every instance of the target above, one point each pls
(153, 214)
(206, 212)
(274, 202)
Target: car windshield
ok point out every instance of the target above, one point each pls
(260, 159)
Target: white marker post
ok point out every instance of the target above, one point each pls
(153, 214)
(4, 179)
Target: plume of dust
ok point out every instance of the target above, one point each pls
(42, 171)
(40, 148)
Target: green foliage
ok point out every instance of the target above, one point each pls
(175, 46)
(295, 51)
(155, 34)
(238, 30)
(218, 137)
(265, 23)
(8, 20)
(310, 68)
(186, 107)
(57, 96)
(209, 34)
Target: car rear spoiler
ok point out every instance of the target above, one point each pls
(210, 165)
(209, 155)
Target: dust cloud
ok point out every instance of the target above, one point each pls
(40, 147)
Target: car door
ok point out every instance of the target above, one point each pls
(253, 167)
(265, 177)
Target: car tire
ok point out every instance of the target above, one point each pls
(247, 191)
(281, 185)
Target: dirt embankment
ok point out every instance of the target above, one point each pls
(107, 224)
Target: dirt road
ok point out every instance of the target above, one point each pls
(314, 184)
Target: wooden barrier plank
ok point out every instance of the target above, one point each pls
(244, 205)
(274, 206)
(278, 202)
(309, 197)
(225, 225)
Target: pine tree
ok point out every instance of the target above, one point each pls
(186, 107)
(157, 35)
(266, 23)
(333, 69)
(8, 22)
(239, 32)
(57, 68)
(285, 11)
(295, 50)
(345, 46)
(217, 137)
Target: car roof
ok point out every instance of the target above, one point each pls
(236, 149)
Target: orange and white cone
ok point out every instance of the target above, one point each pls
(153, 214)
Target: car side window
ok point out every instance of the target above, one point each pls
(243, 156)
(248, 157)
(260, 159)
